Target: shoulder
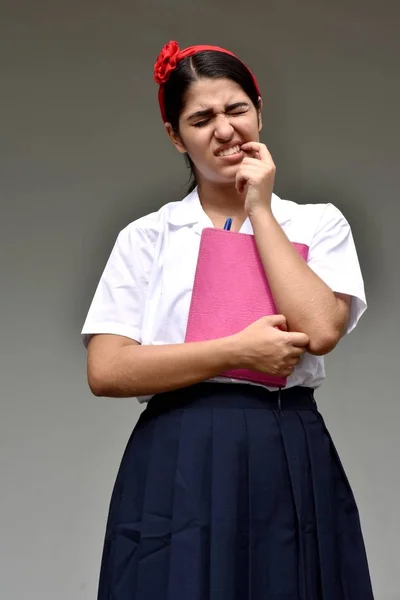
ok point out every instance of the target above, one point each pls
(306, 220)
(290, 210)
(146, 230)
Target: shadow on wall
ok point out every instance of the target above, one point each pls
(292, 184)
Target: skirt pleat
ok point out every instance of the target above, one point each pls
(223, 496)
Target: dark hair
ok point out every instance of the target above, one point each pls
(209, 64)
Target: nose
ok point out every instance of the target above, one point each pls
(223, 128)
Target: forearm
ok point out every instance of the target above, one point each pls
(137, 370)
(308, 304)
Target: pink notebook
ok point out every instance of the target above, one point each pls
(230, 292)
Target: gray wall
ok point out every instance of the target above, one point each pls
(83, 153)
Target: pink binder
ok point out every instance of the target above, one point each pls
(230, 292)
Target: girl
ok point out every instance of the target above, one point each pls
(227, 490)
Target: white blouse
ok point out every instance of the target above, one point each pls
(145, 290)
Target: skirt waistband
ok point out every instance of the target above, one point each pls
(229, 395)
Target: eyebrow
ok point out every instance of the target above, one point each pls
(208, 112)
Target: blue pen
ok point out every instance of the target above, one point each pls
(228, 224)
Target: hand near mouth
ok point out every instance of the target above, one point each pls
(255, 177)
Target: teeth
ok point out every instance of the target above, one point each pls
(230, 151)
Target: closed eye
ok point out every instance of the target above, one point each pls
(201, 123)
(235, 113)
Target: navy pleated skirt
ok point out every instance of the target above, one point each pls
(231, 492)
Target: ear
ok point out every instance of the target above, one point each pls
(259, 111)
(175, 138)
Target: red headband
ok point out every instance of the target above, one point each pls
(169, 58)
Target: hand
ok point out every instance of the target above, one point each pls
(267, 346)
(255, 177)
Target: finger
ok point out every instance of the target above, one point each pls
(247, 175)
(240, 182)
(294, 361)
(297, 352)
(299, 339)
(249, 161)
(257, 148)
(277, 321)
(249, 151)
(287, 371)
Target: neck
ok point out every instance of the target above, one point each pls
(222, 201)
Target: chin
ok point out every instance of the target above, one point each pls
(224, 183)
(221, 177)
(228, 178)
(227, 173)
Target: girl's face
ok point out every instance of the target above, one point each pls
(217, 118)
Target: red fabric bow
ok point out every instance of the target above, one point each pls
(166, 62)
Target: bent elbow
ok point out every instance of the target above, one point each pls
(97, 384)
(323, 344)
(96, 387)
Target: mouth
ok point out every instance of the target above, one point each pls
(233, 151)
